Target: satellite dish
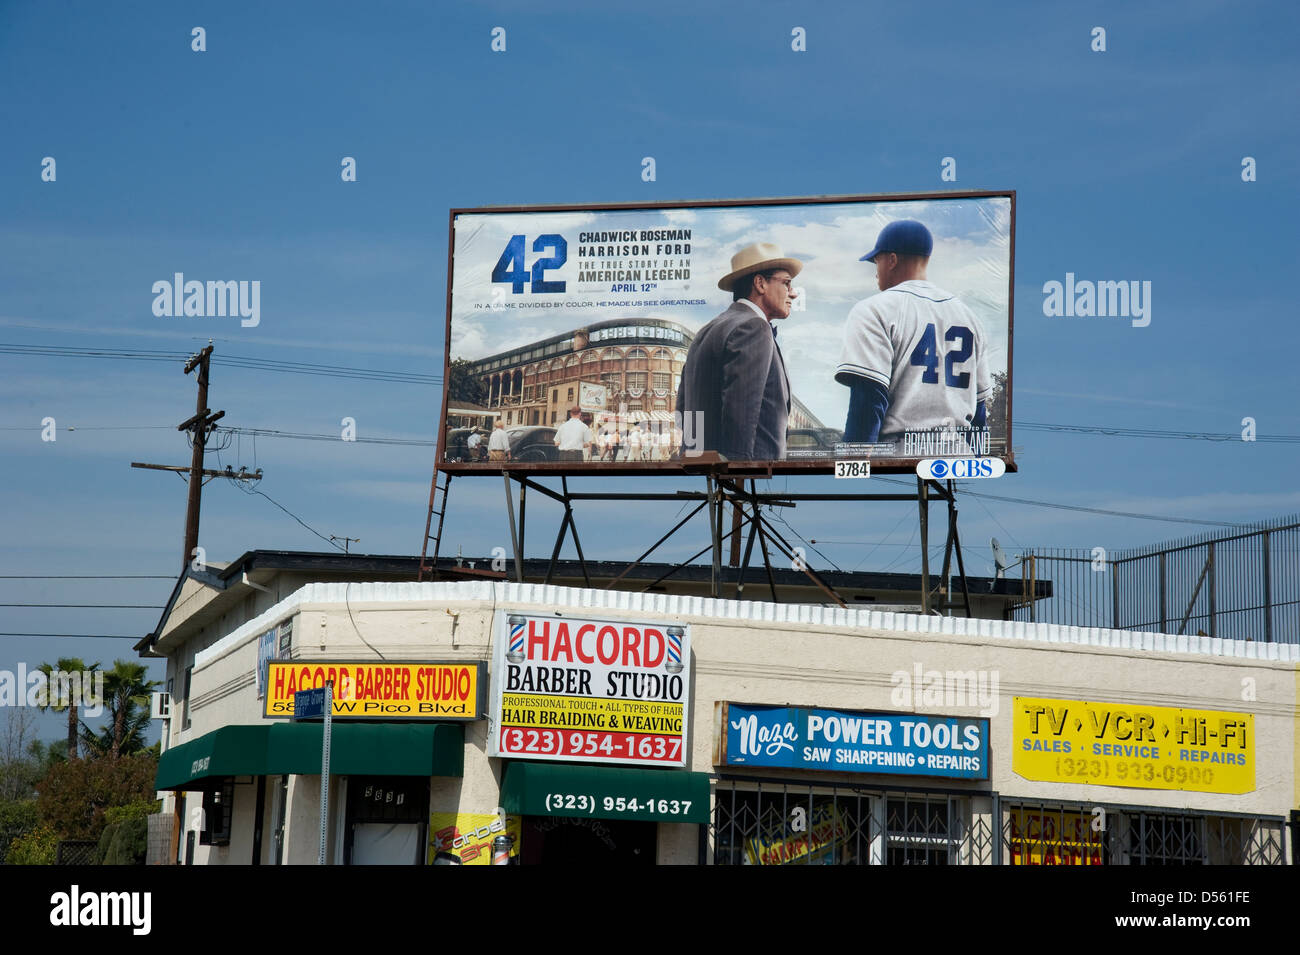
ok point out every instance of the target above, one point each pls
(999, 559)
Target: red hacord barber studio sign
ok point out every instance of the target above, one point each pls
(589, 690)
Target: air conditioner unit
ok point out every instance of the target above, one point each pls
(161, 706)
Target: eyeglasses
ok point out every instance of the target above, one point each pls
(788, 283)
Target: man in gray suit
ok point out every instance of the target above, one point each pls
(734, 376)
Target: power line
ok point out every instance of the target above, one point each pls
(253, 490)
(87, 576)
(233, 361)
(1086, 510)
(309, 436)
(78, 636)
(380, 374)
(91, 606)
(1152, 433)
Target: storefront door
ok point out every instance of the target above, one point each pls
(559, 840)
(387, 818)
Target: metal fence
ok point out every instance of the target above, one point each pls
(1242, 586)
(1036, 833)
(75, 852)
(775, 822)
(782, 822)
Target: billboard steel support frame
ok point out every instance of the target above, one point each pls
(722, 490)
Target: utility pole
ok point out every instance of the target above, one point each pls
(200, 426)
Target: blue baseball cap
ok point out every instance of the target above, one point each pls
(906, 237)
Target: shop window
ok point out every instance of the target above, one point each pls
(185, 716)
(218, 809)
(1079, 834)
(1158, 839)
(783, 824)
(1055, 835)
(919, 832)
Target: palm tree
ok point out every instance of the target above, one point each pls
(127, 694)
(58, 703)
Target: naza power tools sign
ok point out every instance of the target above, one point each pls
(589, 690)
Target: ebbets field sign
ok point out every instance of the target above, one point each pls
(585, 690)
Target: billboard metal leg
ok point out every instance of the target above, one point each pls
(653, 547)
(923, 504)
(523, 524)
(956, 544)
(945, 576)
(573, 527)
(749, 545)
(514, 537)
(715, 532)
(559, 542)
(767, 559)
(788, 551)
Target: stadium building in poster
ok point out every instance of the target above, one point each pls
(631, 366)
(617, 727)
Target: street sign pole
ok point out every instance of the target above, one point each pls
(325, 770)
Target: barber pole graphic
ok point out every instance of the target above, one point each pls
(674, 662)
(515, 651)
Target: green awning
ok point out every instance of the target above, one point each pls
(369, 749)
(601, 792)
(273, 749)
(229, 751)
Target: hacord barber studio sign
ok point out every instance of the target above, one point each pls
(393, 690)
(590, 690)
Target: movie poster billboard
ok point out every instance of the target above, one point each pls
(741, 334)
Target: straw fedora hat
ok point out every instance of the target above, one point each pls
(759, 257)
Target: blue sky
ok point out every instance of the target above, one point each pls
(225, 164)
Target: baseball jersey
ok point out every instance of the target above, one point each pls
(926, 347)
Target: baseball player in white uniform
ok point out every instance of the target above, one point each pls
(914, 356)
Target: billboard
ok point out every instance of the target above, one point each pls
(734, 335)
(587, 690)
(1134, 746)
(406, 690)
